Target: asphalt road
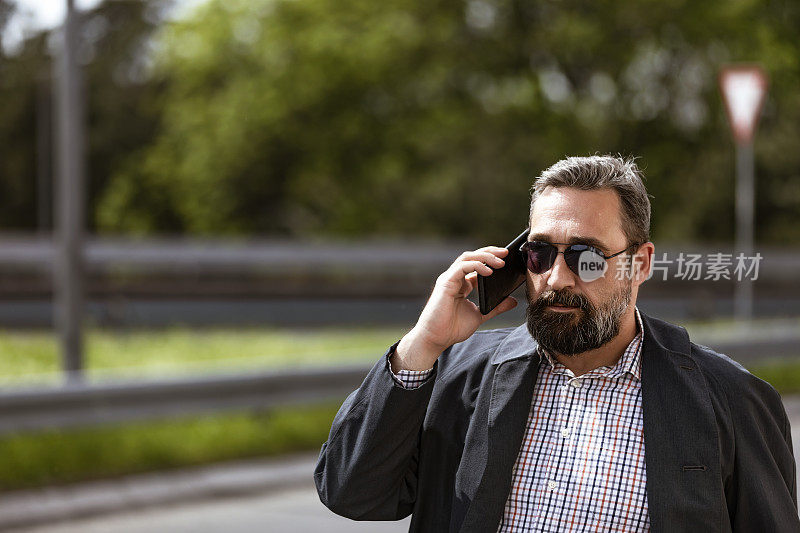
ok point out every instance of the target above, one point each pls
(297, 510)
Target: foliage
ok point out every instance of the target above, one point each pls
(403, 117)
(353, 117)
(120, 112)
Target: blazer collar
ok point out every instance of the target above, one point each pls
(666, 336)
(517, 345)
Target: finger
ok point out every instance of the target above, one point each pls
(484, 257)
(506, 305)
(498, 250)
(468, 267)
(454, 276)
(466, 287)
(494, 250)
(468, 284)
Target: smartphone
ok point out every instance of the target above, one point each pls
(495, 288)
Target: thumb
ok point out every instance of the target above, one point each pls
(506, 305)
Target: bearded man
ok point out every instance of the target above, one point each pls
(592, 416)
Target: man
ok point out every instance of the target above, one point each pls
(590, 417)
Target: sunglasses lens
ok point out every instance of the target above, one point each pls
(540, 256)
(586, 262)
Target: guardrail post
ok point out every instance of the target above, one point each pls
(68, 271)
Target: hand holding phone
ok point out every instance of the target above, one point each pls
(449, 316)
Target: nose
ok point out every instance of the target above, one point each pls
(560, 276)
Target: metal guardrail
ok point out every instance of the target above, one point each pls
(162, 282)
(263, 257)
(74, 405)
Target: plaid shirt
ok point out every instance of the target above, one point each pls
(581, 464)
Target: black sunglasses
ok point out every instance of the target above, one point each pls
(587, 262)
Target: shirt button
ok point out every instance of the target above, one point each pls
(576, 384)
(551, 485)
(565, 432)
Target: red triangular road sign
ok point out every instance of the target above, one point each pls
(743, 90)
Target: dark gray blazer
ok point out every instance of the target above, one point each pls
(718, 449)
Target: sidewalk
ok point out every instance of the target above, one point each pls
(264, 495)
(295, 510)
(223, 481)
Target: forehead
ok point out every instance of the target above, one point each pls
(565, 213)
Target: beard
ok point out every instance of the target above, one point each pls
(573, 332)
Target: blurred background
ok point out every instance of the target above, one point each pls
(270, 187)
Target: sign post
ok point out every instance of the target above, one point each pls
(743, 90)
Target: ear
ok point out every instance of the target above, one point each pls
(642, 263)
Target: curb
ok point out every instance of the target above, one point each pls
(54, 504)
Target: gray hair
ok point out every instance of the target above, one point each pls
(604, 172)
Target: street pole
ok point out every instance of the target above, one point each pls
(743, 89)
(745, 208)
(68, 271)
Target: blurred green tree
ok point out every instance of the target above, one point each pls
(351, 117)
(404, 117)
(20, 75)
(121, 113)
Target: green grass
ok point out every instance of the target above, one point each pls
(27, 357)
(784, 374)
(55, 457)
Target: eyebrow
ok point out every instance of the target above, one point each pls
(591, 241)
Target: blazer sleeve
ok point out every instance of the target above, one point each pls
(367, 469)
(763, 495)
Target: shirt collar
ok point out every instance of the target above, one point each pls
(630, 362)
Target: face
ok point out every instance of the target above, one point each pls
(566, 314)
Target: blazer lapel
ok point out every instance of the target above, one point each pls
(515, 370)
(684, 490)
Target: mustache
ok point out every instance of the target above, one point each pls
(563, 297)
